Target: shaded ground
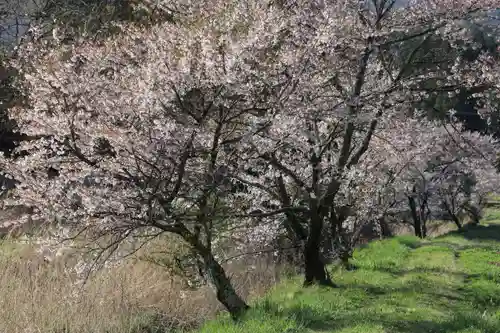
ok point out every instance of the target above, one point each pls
(450, 284)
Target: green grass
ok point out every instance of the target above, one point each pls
(447, 284)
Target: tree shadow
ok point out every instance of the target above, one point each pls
(412, 243)
(472, 233)
(459, 323)
(397, 316)
(314, 320)
(433, 270)
(457, 306)
(479, 232)
(304, 314)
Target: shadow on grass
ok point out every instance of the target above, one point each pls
(433, 270)
(461, 322)
(304, 314)
(434, 292)
(490, 232)
(461, 307)
(475, 288)
(478, 233)
(322, 321)
(412, 243)
(474, 233)
(409, 299)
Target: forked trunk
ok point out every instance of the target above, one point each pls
(315, 269)
(423, 226)
(457, 222)
(474, 214)
(226, 294)
(453, 216)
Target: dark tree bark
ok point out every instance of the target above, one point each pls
(293, 223)
(474, 213)
(417, 225)
(337, 218)
(385, 231)
(345, 256)
(423, 225)
(453, 215)
(225, 292)
(457, 222)
(315, 268)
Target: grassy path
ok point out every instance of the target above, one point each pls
(402, 285)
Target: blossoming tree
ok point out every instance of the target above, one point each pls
(341, 74)
(131, 131)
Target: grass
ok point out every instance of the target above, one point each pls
(41, 297)
(448, 284)
(136, 297)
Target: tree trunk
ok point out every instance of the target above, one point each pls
(417, 225)
(226, 294)
(474, 213)
(344, 258)
(457, 221)
(423, 226)
(293, 223)
(385, 231)
(453, 216)
(315, 268)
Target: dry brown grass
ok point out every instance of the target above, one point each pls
(36, 296)
(435, 228)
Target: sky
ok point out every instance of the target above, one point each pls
(13, 24)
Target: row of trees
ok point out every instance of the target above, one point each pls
(434, 171)
(245, 121)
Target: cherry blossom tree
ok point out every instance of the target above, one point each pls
(435, 167)
(133, 132)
